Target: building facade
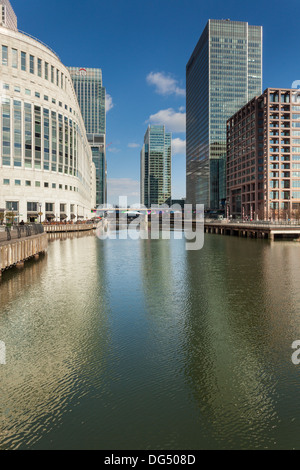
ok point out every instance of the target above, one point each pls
(91, 97)
(8, 17)
(263, 157)
(45, 159)
(156, 169)
(223, 74)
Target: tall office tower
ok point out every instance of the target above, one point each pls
(223, 74)
(8, 17)
(156, 167)
(91, 97)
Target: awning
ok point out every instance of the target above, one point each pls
(32, 214)
(73, 216)
(50, 215)
(63, 216)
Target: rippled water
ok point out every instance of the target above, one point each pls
(123, 344)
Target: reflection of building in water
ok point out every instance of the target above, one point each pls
(281, 272)
(16, 281)
(52, 237)
(54, 323)
(158, 289)
(226, 357)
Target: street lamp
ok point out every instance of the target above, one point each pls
(40, 213)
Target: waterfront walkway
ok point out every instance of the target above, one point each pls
(270, 231)
(21, 243)
(16, 252)
(63, 228)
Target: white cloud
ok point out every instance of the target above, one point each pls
(174, 121)
(108, 102)
(164, 84)
(133, 145)
(113, 150)
(178, 146)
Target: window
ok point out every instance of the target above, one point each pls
(23, 61)
(62, 207)
(6, 182)
(27, 183)
(6, 132)
(12, 206)
(4, 55)
(53, 185)
(46, 71)
(28, 135)
(31, 64)
(46, 98)
(39, 67)
(49, 207)
(14, 56)
(17, 182)
(37, 184)
(17, 132)
(52, 74)
(32, 206)
(46, 185)
(27, 92)
(37, 95)
(5, 86)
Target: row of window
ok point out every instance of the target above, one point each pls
(52, 141)
(17, 89)
(35, 206)
(36, 66)
(37, 184)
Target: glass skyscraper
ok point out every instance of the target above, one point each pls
(91, 97)
(156, 167)
(223, 74)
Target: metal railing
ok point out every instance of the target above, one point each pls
(15, 232)
(41, 42)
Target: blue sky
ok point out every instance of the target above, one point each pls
(142, 47)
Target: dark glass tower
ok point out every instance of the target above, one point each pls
(223, 74)
(91, 97)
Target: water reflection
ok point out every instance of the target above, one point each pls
(52, 335)
(120, 344)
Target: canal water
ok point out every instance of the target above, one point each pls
(123, 344)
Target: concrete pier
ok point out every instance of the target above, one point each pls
(254, 230)
(16, 252)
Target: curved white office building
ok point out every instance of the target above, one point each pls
(45, 159)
